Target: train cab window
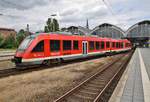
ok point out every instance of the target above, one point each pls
(39, 47)
(75, 45)
(66, 44)
(113, 44)
(91, 45)
(107, 44)
(97, 45)
(102, 45)
(54, 45)
(25, 43)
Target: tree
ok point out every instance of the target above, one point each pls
(52, 25)
(46, 30)
(20, 36)
(1, 40)
(64, 29)
(9, 42)
(55, 25)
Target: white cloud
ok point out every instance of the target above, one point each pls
(18, 13)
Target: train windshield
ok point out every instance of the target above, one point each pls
(25, 43)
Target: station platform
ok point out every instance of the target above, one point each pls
(134, 85)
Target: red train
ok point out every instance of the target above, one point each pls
(46, 48)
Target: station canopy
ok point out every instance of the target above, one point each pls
(78, 30)
(109, 31)
(139, 30)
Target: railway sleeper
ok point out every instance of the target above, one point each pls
(76, 98)
(85, 96)
(88, 92)
(96, 86)
(91, 89)
(99, 82)
(98, 79)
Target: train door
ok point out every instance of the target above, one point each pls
(84, 47)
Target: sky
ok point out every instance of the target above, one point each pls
(17, 14)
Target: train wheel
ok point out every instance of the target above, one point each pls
(52, 62)
(46, 62)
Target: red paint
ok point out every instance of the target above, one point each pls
(27, 54)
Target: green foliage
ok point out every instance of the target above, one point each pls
(52, 25)
(1, 40)
(20, 36)
(56, 25)
(46, 30)
(64, 29)
(9, 42)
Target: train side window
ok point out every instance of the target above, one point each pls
(107, 44)
(113, 44)
(117, 45)
(102, 45)
(97, 45)
(91, 45)
(54, 45)
(122, 45)
(75, 45)
(66, 44)
(39, 47)
(126, 44)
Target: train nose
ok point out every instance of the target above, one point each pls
(17, 60)
(18, 57)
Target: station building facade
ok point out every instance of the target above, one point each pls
(139, 34)
(5, 32)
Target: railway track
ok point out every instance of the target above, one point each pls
(5, 72)
(6, 57)
(98, 87)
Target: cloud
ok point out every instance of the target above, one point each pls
(22, 4)
(19, 13)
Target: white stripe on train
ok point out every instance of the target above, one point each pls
(74, 55)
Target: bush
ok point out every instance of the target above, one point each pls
(12, 41)
(9, 42)
(1, 40)
(20, 36)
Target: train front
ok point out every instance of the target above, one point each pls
(22, 51)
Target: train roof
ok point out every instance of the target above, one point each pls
(67, 35)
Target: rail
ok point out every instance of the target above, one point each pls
(93, 88)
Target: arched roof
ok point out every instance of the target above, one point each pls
(78, 29)
(107, 25)
(136, 26)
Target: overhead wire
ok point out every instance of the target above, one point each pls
(108, 5)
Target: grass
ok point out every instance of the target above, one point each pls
(48, 84)
(1, 49)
